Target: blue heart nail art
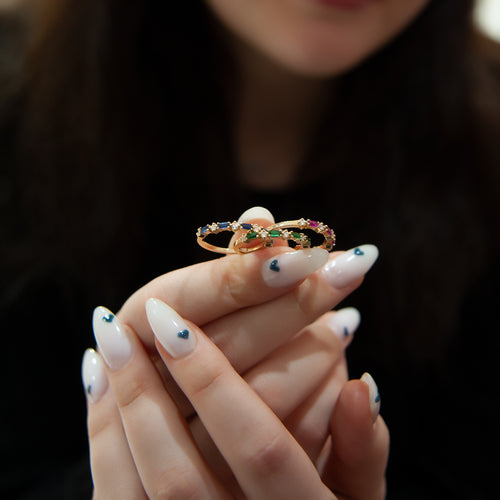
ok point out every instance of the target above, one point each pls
(377, 398)
(109, 318)
(358, 251)
(183, 335)
(274, 266)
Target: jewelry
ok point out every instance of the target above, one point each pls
(257, 233)
(317, 227)
(264, 237)
(269, 234)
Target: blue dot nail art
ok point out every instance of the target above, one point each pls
(109, 318)
(358, 251)
(183, 335)
(274, 266)
(377, 398)
(346, 332)
(89, 390)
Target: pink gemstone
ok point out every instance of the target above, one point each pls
(313, 223)
(329, 232)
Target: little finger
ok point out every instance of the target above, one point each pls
(114, 474)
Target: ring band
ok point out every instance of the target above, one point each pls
(303, 224)
(219, 227)
(264, 237)
(269, 234)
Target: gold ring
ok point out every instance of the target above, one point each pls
(303, 224)
(254, 230)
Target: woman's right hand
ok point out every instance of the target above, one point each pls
(250, 305)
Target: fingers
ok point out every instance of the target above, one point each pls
(360, 443)
(212, 289)
(310, 422)
(264, 458)
(294, 371)
(113, 470)
(165, 457)
(297, 384)
(247, 336)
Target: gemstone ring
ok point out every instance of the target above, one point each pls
(255, 232)
(265, 237)
(303, 224)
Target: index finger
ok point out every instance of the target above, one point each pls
(204, 292)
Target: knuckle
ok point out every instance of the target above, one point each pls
(270, 459)
(233, 284)
(177, 484)
(130, 394)
(206, 381)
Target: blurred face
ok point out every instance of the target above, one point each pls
(316, 37)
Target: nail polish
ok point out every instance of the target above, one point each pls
(170, 329)
(291, 267)
(255, 213)
(94, 378)
(374, 395)
(344, 322)
(111, 338)
(350, 266)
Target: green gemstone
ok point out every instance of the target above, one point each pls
(296, 236)
(251, 235)
(275, 233)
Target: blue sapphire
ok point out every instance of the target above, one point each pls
(223, 225)
(245, 226)
(204, 229)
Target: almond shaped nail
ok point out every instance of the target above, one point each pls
(170, 329)
(111, 338)
(291, 267)
(94, 378)
(350, 266)
(345, 322)
(374, 394)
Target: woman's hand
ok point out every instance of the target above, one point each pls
(141, 446)
(250, 305)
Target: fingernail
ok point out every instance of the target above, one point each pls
(350, 266)
(256, 213)
(291, 267)
(345, 322)
(374, 395)
(111, 338)
(94, 378)
(170, 329)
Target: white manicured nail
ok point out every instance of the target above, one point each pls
(350, 266)
(256, 213)
(94, 378)
(374, 395)
(111, 338)
(345, 322)
(170, 329)
(291, 267)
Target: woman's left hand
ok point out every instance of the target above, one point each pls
(141, 446)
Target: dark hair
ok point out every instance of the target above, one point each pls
(120, 99)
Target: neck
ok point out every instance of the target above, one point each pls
(278, 113)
